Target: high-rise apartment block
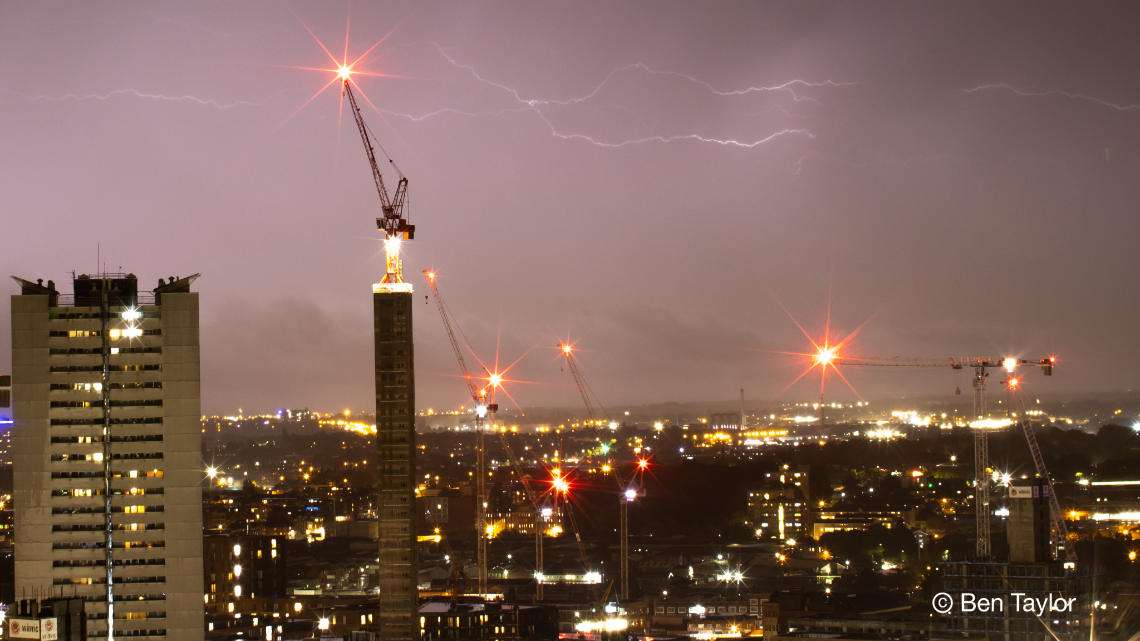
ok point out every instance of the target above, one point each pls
(107, 452)
(396, 442)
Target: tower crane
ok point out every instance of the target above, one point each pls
(626, 493)
(981, 443)
(567, 351)
(479, 397)
(395, 226)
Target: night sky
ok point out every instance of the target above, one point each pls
(657, 181)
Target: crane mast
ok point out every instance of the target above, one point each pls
(395, 226)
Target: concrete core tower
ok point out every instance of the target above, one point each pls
(396, 443)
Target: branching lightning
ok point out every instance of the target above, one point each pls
(537, 105)
(787, 86)
(1053, 92)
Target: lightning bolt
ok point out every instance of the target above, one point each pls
(536, 105)
(1053, 92)
(787, 86)
(139, 94)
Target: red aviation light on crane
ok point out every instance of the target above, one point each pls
(344, 72)
(1013, 383)
(642, 463)
(560, 484)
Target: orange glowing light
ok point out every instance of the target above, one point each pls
(343, 70)
(825, 354)
(643, 463)
(1012, 383)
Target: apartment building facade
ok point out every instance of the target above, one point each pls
(107, 452)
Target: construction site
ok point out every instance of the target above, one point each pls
(427, 567)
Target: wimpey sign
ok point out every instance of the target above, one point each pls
(42, 629)
(1027, 492)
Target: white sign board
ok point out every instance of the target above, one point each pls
(23, 629)
(49, 629)
(1030, 492)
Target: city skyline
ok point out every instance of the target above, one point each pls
(661, 199)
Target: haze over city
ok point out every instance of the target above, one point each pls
(656, 182)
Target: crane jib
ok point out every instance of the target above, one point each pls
(393, 223)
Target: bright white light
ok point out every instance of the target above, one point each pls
(991, 423)
(547, 512)
(613, 425)
(324, 624)
(237, 590)
(630, 494)
(212, 472)
(237, 570)
(132, 332)
(658, 425)
(593, 577)
(1009, 364)
(237, 550)
(825, 355)
(539, 576)
(481, 411)
(132, 314)
(1119, 516)
(609, 625)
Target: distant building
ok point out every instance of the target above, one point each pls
(107, 449)
(484, 620)
(239, 568)
(780, 509)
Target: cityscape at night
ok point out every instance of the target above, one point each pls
(625, 322)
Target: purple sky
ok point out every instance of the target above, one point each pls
(651, 179)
